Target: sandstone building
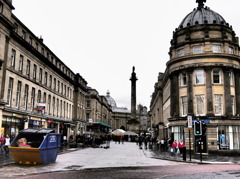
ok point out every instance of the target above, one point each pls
(201, 81)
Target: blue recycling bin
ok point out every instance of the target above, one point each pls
(44, 148)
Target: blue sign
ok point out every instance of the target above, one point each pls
(206, 121)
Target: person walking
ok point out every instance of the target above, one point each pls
(174, 147)
(180, 146)
(7, 143)
(2, 143)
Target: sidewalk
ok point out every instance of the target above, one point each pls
(195, 158)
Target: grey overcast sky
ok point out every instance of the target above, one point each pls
(103, 39)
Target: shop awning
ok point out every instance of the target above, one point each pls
(103, 123)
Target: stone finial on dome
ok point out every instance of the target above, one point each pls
(200, 3)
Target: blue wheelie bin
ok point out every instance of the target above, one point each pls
(44, 146)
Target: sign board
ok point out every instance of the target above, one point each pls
(189, 122)
(40, 106)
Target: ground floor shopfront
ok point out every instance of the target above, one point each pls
(11, 122)
(218, 135)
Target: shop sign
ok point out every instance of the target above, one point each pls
(36, 118)
(40, 106)
(16, 115)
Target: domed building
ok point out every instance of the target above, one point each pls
(201, 85)
(120, 115)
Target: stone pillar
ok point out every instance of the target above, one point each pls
(133, 94)
(190, 92)
(209, 91)
(237, 91)
(174, 91)
(227, 92)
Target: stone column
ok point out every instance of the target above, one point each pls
(133, 80)
(174, 91)
(209, 96)
(227, 92)
(190, 92)
(237, 91)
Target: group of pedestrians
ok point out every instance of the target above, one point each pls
(176, 147)
(4, 143)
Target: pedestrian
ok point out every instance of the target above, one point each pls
(174, 147)
(180, 146)
(145, 142)
(122, 139)
(140, 140)
(7, 143)
(2, 143)
(22, 142)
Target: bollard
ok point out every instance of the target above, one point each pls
(184, 153)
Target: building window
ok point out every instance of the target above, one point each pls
(34, 72)
(218, 104)
(65, 90)
(87, 116)
(216, 49)
(13, 56)
(50, 81)
(49, 104)
(64, 109)
(231, 51)
(88, 105)
(28, 68)
(15, 27)
(57, 106)
(10, 89)
(44, 97)
(67, 112)
(58, 86)
(199, 77)
(62, 88)
(216, 76)
(40, 75)
(42, 51)
(37, 46)
(32, 99)
(30, 40)
(20, 67)
(25, 99)
(184, 106)
(200, 105)
(19, 87)
(54, 84)
(233, 104)
(53, 106)
(181, 53)
(197, 49)
(39, 96)
(183, 79)
(45, 78)
(68, 92)
(23, 34)
(61, 108)
(1, 7)
(230, 74)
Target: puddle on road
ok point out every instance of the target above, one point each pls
(74, 167)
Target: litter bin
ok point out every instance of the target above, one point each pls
(44, 146)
